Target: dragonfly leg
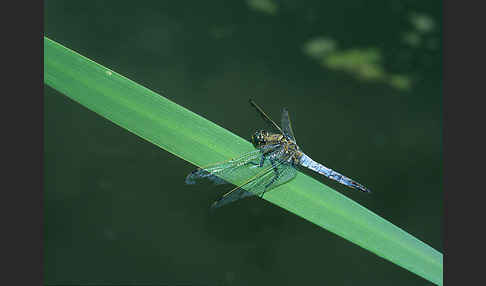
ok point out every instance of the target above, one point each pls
(273, 179)
(262, 160)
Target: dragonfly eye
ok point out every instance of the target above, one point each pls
(257, 139)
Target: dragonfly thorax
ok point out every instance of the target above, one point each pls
(262, 139)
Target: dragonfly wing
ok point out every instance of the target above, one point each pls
(228, 171)
(287, 125)
(273, 175)
(235, 195)
(219, 172)
(265, 117)
(199, 173)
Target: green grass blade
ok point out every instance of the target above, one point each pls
(199, 141)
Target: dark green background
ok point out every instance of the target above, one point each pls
(116, 207)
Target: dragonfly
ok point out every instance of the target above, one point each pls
(275, 161)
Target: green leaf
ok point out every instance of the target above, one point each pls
(201, 142)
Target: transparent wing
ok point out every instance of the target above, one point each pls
(219, 172)
(273, 175)
(287, 125)
(233, 171)
(265, 117)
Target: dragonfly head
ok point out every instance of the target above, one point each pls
(259, 138)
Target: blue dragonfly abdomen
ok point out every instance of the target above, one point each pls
(307, 162)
